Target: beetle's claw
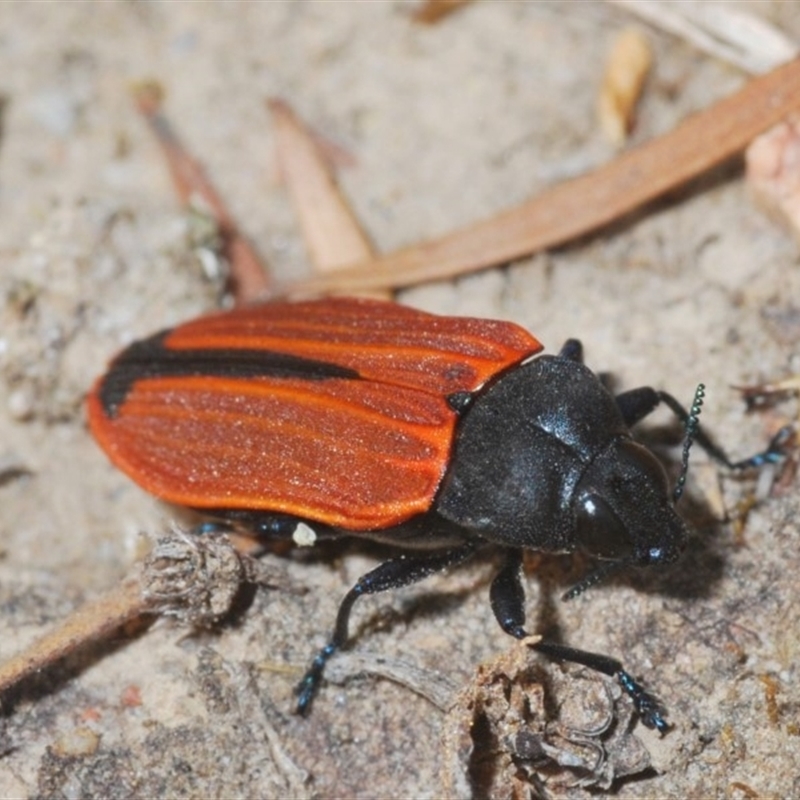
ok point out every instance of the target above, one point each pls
(651, 714)
(306, 690)
(650, 711)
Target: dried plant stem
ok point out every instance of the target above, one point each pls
(577, 207)
(194, 579)
(249, 278)
(91, 622)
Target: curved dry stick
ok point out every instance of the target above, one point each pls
(585, 204)
(196, 579)
(249, 278)
(91, 622)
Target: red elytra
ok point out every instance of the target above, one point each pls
(334, 411)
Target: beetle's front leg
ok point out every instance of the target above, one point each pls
(507, 595)
(392, 574)
(508, 603)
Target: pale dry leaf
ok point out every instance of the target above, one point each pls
(728, 33)
(331, 230)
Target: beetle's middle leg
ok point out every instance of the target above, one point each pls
(394, 574)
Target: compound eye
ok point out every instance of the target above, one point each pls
(600, 532)
(636, 459)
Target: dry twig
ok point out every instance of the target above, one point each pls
(196, 579)
(583, 205)
(249, 278)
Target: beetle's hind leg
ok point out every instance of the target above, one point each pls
(636, 404)
(508, 604)
(392, 574)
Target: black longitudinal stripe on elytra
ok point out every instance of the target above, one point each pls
(149, 358)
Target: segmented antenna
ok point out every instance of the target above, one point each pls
(593, 578)
(692, 423)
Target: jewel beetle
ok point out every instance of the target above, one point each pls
(437, 434)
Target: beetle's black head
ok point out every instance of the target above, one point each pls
(624, 510)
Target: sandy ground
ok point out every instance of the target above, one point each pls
(446, 125)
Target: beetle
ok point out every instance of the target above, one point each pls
(368, 418)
